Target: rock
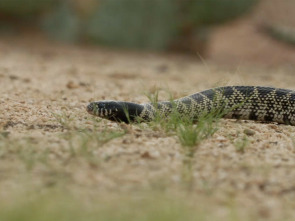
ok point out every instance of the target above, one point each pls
(249, 132)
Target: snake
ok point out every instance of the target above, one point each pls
(257, 103)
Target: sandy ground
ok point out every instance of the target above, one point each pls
(40, 81)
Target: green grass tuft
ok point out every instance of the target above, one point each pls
(189, 130)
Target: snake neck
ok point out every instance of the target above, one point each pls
(127, 112)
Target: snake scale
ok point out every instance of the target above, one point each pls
(266, 104)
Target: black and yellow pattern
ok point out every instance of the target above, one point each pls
(236, 102)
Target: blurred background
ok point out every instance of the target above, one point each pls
(223, 31)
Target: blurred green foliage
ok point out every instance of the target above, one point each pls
(150, 24)
(210, 12)
(62, 23)
(134, 23)
(280, 32)
(24, 8)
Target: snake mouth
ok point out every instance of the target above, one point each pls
(90, 108)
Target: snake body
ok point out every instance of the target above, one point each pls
(257, 103)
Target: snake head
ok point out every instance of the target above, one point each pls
(115, 110)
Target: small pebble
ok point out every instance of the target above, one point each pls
(72, 85)
(249, 132)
